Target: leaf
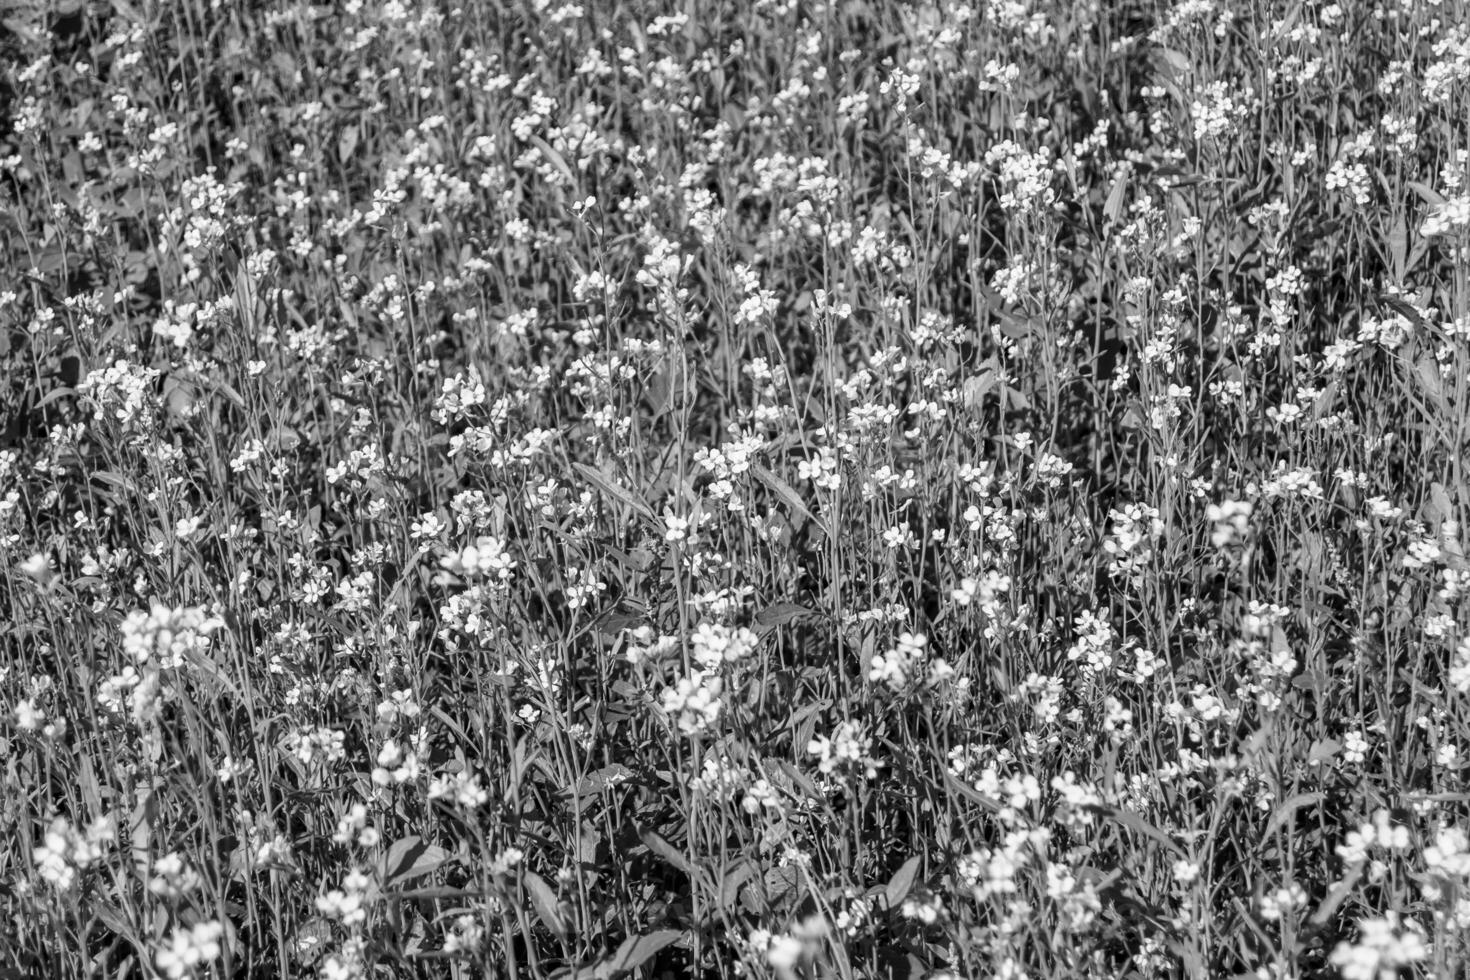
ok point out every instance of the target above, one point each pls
(1336, 897)
(1416, 254)
(113, 918)
(607, 776)
(346, 143)
(1172, 62)
(245, 297)
(731, 882)
(439, 893)
(1440, 507)
(1323, 750)
(409, 858)
(1405, 310)
(1135, 822)
(55, 394)
(117, 922)
(969, 792)
(1288, 808)
(975, 388)
(544, 899)
(788, 495)
(635, 951)
(222, 387)
(556, 160)
(1316, 681)
(1427, 371)
(621, 494)
(656, 843)
(1323, 403)
(799, 780)
(616, 621)
(1398, 248)
(779, 614)
(780, 882)
(901, 883)
(312, 940)
(1015, 401)
(145, 813)
(1426, 193)
(1113, 206)
(660, 392)
(114, 480)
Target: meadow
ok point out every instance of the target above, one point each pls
(912, 489)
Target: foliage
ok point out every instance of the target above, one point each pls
(773, 489)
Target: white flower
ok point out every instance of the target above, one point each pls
(1381, 950)
(190, 948)
(784, 952)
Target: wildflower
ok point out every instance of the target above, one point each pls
(38, 569)
(694, 702)
(465, 935)
(582, 586)
(29, 717)
(1383, 947)
(230, 767)
(167, 636)
(352, 824)
(172, 877)
(485, 558)
(462, 788)
(1185, 872)
(65, 851)
(712, 644)
(123, 391)
(1282, 901)
(506, 861)
(428, 528)
(395, 765)
(1231, 519)
(344, 904)
(273, 853)
(676, 528)
(1135, 528)
(1447, 218)
(190, 948)
(348, 963)
(925, 908)
(847, 747)
(1354, 748)
(784, 952)
(901, 666)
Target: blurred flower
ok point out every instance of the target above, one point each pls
(1231, 520)
(1383, 947)
(189, 949)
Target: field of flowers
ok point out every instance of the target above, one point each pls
(734, 488)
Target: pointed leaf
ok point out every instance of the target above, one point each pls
(1430, 379)
(1288, 808)
(788, 496)
(346, 143)
(731, 882)
(409, 858)
(1336, 897)
(901, 883)
(624, 496)
(1426, 193)
(779, 614)
(635, 951)
(1134, 821)
(656, 843)
(544, 900)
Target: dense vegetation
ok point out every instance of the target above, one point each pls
(776, 489)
